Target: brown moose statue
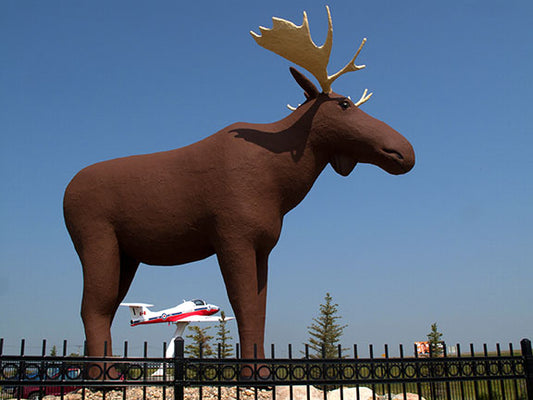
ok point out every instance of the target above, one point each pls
(226, 194)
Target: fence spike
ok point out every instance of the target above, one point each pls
(527, 354)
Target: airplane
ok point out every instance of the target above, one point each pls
(188, 311)
(181, 315)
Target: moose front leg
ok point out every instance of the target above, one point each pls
(245, 273)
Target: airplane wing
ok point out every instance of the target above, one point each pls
(204, 318)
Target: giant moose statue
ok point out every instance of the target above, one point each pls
(226, 194)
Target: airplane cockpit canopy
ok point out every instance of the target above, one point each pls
(199, 302)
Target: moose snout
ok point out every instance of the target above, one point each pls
(385, 147)
(400, 160)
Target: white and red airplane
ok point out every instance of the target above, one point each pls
(181, 315)
(189, 311)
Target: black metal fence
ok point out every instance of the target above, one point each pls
(497, 375)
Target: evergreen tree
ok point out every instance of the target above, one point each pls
(53, 351)
(325, 332)
(201, 339)
(435, 342)
(223, 337)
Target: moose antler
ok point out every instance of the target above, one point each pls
(295, 44)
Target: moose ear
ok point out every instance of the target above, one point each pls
(310, 90)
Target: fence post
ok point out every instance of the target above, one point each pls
(179, 368)
(525, 344)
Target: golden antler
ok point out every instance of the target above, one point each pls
(295, 44)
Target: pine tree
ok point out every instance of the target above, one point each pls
(53, 351)
(435, 342)
(223, 337)
(325, 332)
(200, 339)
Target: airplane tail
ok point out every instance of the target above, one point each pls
(139, 311)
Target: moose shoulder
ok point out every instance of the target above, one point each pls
(224, 195)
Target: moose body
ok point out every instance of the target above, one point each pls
(226, 195)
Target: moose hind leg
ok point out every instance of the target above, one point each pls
(106, 279)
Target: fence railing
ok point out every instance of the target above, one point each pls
(497, 375)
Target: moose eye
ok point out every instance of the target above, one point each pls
(344, 104)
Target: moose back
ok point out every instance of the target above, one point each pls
(226, 194)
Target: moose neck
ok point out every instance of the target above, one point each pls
(297, 155)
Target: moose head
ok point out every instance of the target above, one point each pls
(353, 134)
(226, 194)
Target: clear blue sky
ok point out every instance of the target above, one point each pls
(451, 242)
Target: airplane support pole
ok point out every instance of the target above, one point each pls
(180, 328)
